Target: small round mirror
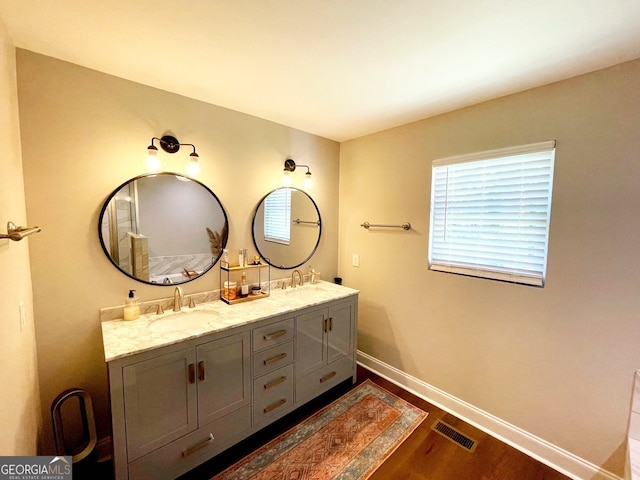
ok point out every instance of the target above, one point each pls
(286, 227)
(163, 229)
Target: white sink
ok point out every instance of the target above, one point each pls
(304, 292)
(182, 321)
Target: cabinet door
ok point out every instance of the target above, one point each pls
(224, 376)
(159, 401)
(311, 352)
(341, 331)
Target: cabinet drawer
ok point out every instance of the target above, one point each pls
(272, 394)
(184, 454)
(272, 358)
(273, 334)
(323, 379)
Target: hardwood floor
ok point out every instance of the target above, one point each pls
(428, 455)
(424, 455)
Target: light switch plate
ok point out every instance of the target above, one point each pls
(355, 260)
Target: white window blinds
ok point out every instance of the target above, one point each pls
(490, 213)
(277, 216)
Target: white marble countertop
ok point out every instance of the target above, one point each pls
(123, 338)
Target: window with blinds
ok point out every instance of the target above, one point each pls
(490, 213)
(277, 216)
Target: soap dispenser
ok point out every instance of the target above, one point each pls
(131, 306)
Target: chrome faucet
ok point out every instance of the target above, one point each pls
(178, 296)
(293, 278)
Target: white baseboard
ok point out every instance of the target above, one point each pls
(555, 457)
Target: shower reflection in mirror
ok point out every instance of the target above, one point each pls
(163, 228)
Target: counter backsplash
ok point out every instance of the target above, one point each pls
(150, 306)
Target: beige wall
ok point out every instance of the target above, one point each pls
(83, 134)
(19, 396)
(558, 361)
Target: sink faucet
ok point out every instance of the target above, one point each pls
(293, 278)
(177, 299)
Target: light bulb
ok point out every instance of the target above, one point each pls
(193, 167)
(308, 181)
(286, 178)
(153, 162)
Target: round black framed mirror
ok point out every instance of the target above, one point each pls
(163, 228)
(286, 227)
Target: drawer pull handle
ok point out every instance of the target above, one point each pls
(195, 448)
(328, 376)
(275, 358)
(274, 335)
(192, 373)
(274, 382)
(201, 371)
(275, 405)
(330, 324)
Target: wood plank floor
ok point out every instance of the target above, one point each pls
(428, 455)
(424, 455)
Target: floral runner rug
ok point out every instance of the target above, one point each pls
(348, 439)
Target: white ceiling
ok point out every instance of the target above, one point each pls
(335, 68)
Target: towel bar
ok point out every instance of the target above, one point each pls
(404, 226)
(18, 233)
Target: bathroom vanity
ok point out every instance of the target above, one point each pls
(186, 386)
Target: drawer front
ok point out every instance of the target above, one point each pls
(187, 452)
(272, 358)
(272, 394)
(322, 380)
(273, 334)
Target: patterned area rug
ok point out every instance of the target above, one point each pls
(348, 439)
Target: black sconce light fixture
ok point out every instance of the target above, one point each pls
(171, 144)
(289, 167)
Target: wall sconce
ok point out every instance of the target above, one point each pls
(171, 144)
(290, 166)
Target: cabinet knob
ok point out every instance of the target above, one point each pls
(192, 373)
(275, 405)
(328, 376)
(201, 371)
(274, 382)
(195, 448)
(275, 358)
(328, 324)
(274, 335)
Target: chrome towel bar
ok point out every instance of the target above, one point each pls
(404, 226)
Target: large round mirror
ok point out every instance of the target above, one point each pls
(163, 228)
(286, 227)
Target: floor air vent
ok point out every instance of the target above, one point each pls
(454, 435)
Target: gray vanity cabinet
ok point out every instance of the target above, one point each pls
(181, 406)
(176, 406)
(311, 341)
(325, 348)
(160, 402)
(223, 376)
